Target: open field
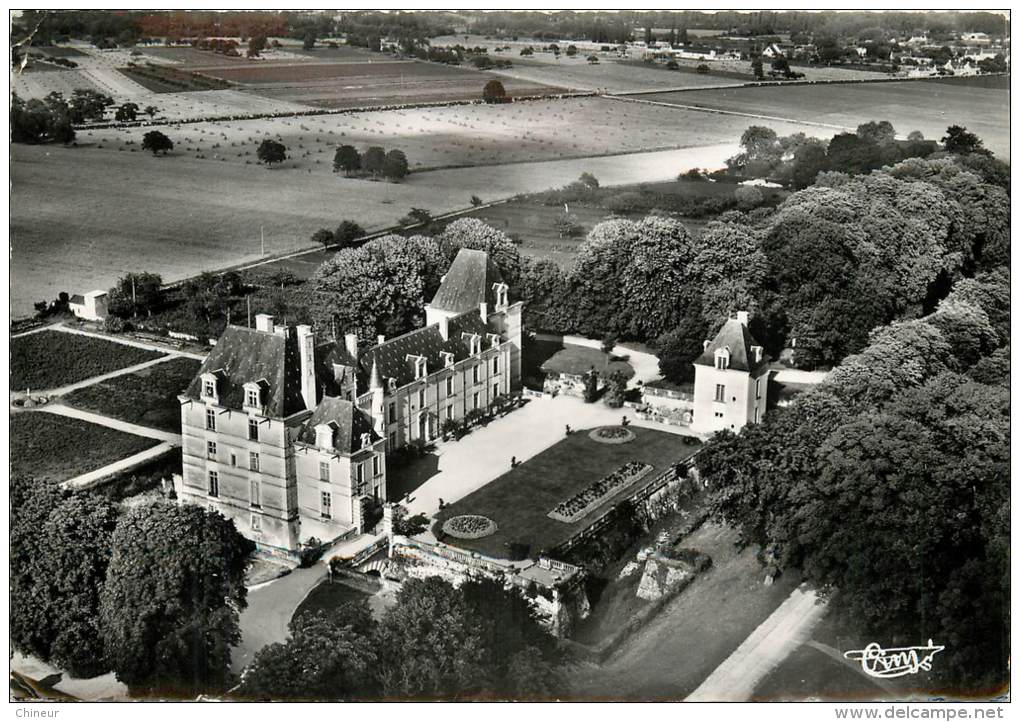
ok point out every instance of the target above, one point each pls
(48, 447)
(147, 397)
(452, 136)
(519, 500)
(79, 224)
(909, 105)
(609, 75)
(49, 359)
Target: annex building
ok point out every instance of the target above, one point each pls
(286, 432)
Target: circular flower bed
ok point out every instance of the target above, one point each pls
(611, 435)
(469, 526)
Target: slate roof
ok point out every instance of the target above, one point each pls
(468, 283)
(243, 355)
(735, 335)
(391, 356)
(348, 422)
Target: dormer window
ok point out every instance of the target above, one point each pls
(420, 366)
(502, 295)
(209, 390)
(252, 396)
(493, 340)
(447, 358)
(475, 344)
(324, 436)
(366, 441)
(722, 358)
(392, 383)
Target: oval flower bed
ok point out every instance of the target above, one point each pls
(595, 494)
(611, 435)
(469, 526)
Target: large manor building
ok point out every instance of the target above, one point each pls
(286, 432)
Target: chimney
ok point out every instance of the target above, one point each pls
(264, 322)
(756, 350)
(444, 326)
(742, 317)
(380, 339)
(483, 311)
(306, 350)
(705, 344)
(351, 342)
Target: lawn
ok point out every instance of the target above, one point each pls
(922, 105)
(49, 359)
(164, 79)
(519, 500)
(56, 448)
(327, 596)
(147, 397)
(542, 356)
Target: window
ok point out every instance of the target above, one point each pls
(253, 430)
(256, 523)
(327, 505)
(393, 413)
(421, 398)
(718, 414)
(419, 368)
(233, 459)
(449, 385)
(757, 389)
(475, 400)
(495, 364)
(359, 473)
(209, 388)
(253, 460)
(251, 398)
(323, 471)
(449, 411)
(720, 392)
(495, 390)
(214, 483)
(721, 362)
(210, 449)
(210, 419)
(476, 345)
(476, 372)
(255, 494)
(756, 415)
(376, 467)
(393, 440)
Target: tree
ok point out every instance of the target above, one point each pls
(757, 68)
(958, 140)
(588, 180)
(593, 59)
(346, 159)
(545, 292)
(256, 44)
(157, 142)
(41, 121)
(571, 51)
(616, 390)
(126, 112)
(477, 235)
(330, 656)
(172, 598)
(373, 160)
(151, 110)
(346, 233)
(781, 65)
(395, 166)
(748, 197)
(678, 348)
(308, 42)
(61, 547)
(135, 294)
(439, 641)
(406, 525)
(591, 386)
(380, 287)
(323, 236)
(702, 69)
(877, 132)
(494, 92)
(808, 161)
(270, 152)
